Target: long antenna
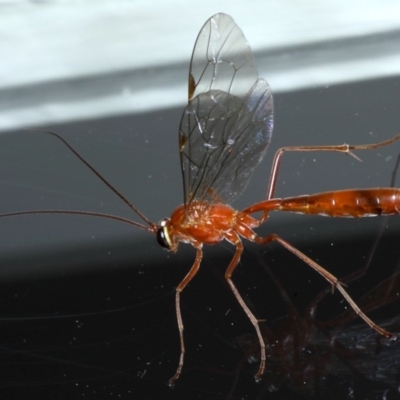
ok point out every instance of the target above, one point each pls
(86, 213)
(153, 227)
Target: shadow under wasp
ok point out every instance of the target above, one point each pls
(224, 134)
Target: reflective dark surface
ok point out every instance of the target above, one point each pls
(112, 332)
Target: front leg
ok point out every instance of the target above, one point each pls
(190, 275)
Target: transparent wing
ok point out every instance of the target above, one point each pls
(227, 125)
(221, 59)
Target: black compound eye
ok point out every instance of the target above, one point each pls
(162, 238)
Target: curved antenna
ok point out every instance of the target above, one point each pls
(105, 181)
(152, 229)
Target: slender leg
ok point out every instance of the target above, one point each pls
(190, 275)
(328, 276)
(344, 148)
(234, 239)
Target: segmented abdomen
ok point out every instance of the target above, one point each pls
(346, 203)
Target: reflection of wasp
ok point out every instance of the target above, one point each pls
(223, 136)
(306, 355)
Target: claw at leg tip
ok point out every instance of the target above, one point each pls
(171, 383)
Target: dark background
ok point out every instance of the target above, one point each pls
(88, 304)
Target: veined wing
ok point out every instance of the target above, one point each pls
(227, 125)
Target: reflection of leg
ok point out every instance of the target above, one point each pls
(328, 276)
(234, 238)
(190, 275)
